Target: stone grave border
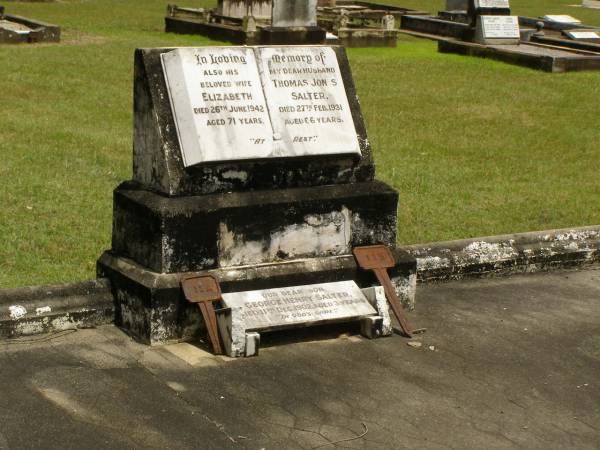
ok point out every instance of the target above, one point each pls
(41, 309)
(40, 31)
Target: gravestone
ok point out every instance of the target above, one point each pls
(251, 164)
(293, 22)
(497, 30)
(493, 22)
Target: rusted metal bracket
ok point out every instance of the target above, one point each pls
(204, 290)
(379, 258)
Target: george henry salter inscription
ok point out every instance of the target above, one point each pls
(236, 103)
(281, 307)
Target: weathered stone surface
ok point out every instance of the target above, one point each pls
(220, 230)
(17, 29)
(151, 306)
(507, 254)
(294, 13)
(261, 9)
(158, 164)
(42, 309)
(271, 309)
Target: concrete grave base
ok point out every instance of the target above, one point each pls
(192, 233)
(151, 307)
(548, 59)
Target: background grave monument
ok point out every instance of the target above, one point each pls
(251, 164)
(19, 30)
(250, 22)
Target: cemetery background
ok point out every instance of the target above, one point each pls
(475, 147)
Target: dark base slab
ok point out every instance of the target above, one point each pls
(292, 36)
(568, 43)
(217, 31)
(438, 27)
(528, 55)
(178, 234)
(151, 307)
(40, 31)
(236, 35)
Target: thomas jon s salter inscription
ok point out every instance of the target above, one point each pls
(235, 103)
(272, 308)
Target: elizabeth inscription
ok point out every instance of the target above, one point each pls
(238, 103)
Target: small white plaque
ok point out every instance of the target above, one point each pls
(500, 27)
(561, 18)
(307, 100)
(583, 35)
(218, 104)
(282, 307)
(492, 4)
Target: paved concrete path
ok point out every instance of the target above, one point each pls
(507, 363)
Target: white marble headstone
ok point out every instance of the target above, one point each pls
(218, 104)
(314, 303)
(240, 103)
(307, 100)
(500, 27)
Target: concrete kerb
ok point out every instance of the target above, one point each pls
(507, 254)
(41, 309)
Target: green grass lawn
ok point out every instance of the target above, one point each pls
(475, 147)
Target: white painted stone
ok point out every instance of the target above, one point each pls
(376, 296)
(319, 234)
(218, 104)
(307, 100)
(17, 311)
(561, 18)
(582, 34)
(309, 304)
(499, 27)
(491, 4)
(42, 310)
